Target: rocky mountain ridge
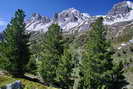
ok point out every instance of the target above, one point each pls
(67, 20)
(120, 12)
(72, 20)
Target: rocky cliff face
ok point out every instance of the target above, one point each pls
(120, 8)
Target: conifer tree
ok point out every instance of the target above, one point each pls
(15, 45)
(52, 50)
(97, 65)
(64, 70)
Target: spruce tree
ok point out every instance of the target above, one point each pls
(15, 45)
(97, 68)
(52, 50)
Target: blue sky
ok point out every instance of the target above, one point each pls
(49, 7)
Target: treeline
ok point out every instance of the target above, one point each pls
(59, 62)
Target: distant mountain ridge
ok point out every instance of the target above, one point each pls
(72, 20)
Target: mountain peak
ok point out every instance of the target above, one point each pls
(38, 17)
(122, 11)
(130, 4)
(121, 8)
(72, 10)
(35, 16)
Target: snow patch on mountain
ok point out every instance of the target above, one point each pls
(69, 26)
(128, 17)
(86, 15)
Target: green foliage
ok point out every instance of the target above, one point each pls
(97, 65)
(32, 67)
(76, 52)
(15, 51)
(130, 69)
(56, 66)
(118, 79)
(33, 85)
(64, 70)
(59, 63)
(4, 80)
(3, 60)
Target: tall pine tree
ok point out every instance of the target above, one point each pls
(15, 45)
(97, 65)
(52, 50)
(56, 67)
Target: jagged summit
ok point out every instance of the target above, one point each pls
(71, 18)
(67, 20)
(71, 10)
(72, 15)
(38, 23)
(38, 17)
(121, 8)
(122, 11)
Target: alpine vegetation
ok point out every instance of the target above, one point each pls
(71, 50)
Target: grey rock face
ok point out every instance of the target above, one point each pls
(15, 85)
(120, 12)
(41, 19)
(120, 8)
(71, 15)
